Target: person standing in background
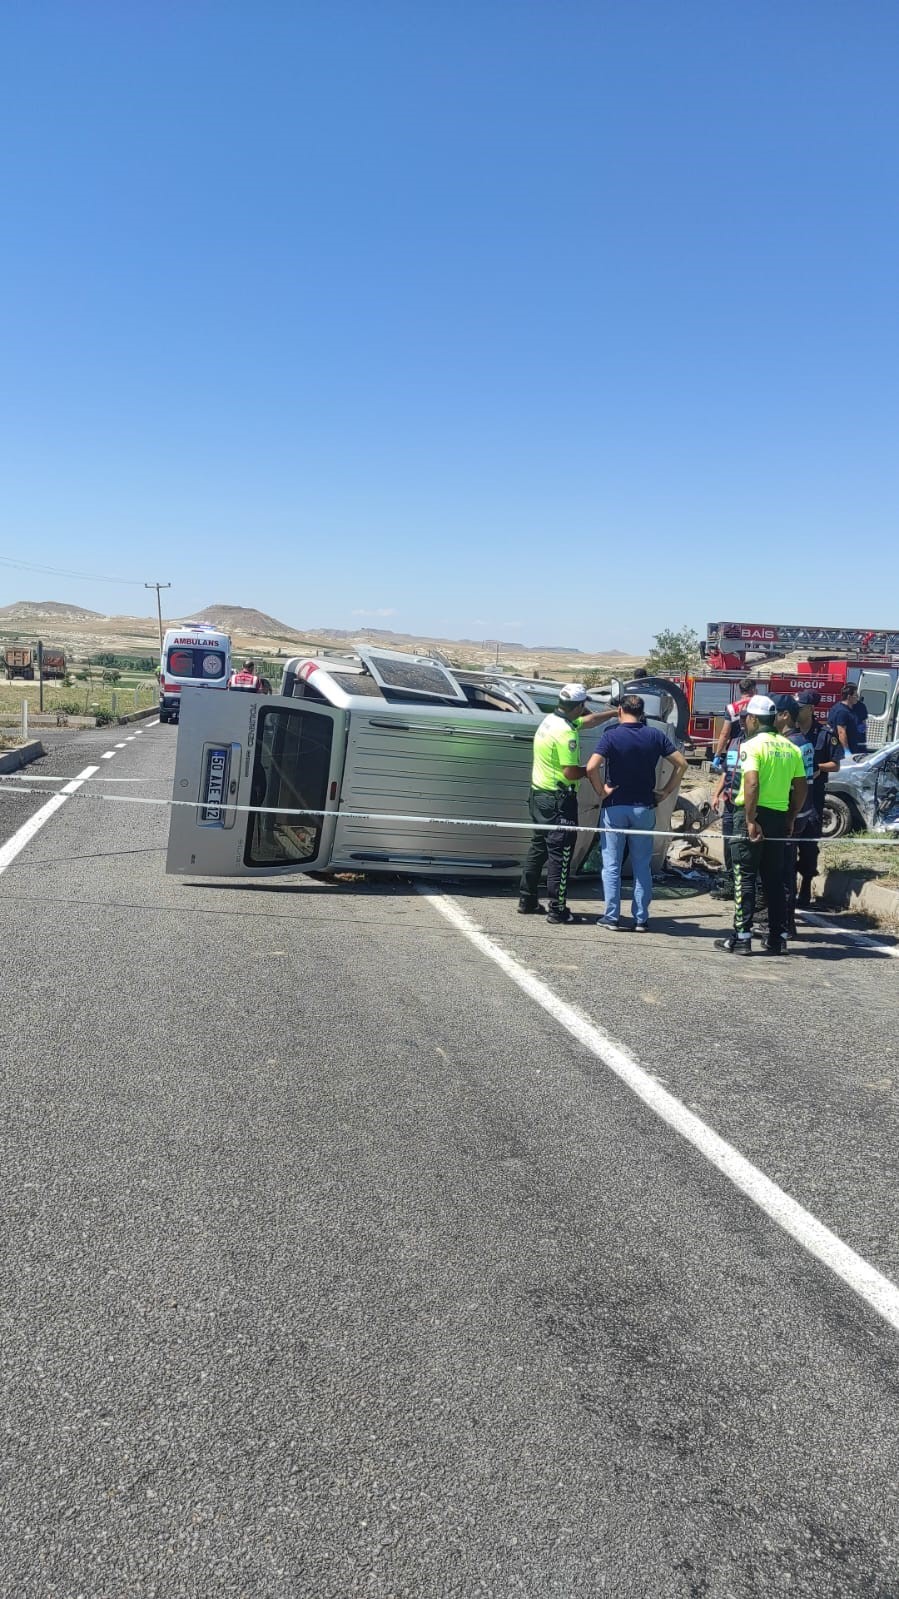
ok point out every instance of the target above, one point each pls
(732, 721)
(725, 795)
(245, 680)
(825, 761)
(842, 720)
(861, 716)
(772, 793)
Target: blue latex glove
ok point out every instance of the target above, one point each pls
(717, 763)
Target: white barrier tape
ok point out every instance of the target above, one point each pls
(41, 777)
(431, 821)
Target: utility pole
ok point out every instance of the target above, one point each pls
(157, 587)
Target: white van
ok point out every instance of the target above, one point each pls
(402, 763)
(194, 655)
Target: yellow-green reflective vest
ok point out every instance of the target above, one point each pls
(557, 743)
(777, 762)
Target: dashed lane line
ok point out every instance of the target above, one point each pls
(26, 832)
(864, 1279)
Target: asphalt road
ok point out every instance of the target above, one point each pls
(334, 1265)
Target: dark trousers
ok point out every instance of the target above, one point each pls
(762, 862)
(553, 848)
(806, 851)
(727, 833)
(800, 855)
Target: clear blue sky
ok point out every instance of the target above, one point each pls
(562, 322)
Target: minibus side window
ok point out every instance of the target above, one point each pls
(290, 772)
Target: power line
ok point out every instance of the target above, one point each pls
(59, 571)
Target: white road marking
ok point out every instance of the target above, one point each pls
(154, 723)
(850, 932)
(130, 739)
(120, 746)
(26, 832)
(859, 1275)
(108, 756)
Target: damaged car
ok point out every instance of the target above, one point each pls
(863, 796)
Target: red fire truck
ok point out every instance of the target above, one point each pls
(735, 650)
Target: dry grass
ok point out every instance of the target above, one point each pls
(877, 859)
(89, 698)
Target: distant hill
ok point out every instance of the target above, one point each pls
(35, 610)
(242, 619)
(85, 632)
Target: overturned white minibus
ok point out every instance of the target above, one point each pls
(401, 762)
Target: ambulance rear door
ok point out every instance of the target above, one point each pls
(876, 689)
(257, 783)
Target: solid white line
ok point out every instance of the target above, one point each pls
(850, 932)
(26, 832)
(154, 723)
(877, 1291)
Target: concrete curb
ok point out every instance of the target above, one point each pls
(13, 760)
(858, 894)
(137, 716)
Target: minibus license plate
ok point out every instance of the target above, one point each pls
(215, 785)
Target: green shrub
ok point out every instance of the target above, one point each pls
(125, 663)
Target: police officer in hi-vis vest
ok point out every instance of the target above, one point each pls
(772, 793)
(555, 776)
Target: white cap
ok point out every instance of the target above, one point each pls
(760, 705)
(572, 694)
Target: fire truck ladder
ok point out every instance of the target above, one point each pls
(781, 638)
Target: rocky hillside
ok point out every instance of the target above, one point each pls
(28, 611)
(83, 633)
(244, 620)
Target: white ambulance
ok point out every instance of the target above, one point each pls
(194, 655)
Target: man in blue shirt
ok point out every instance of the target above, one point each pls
(623, 772)
(843, 721)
